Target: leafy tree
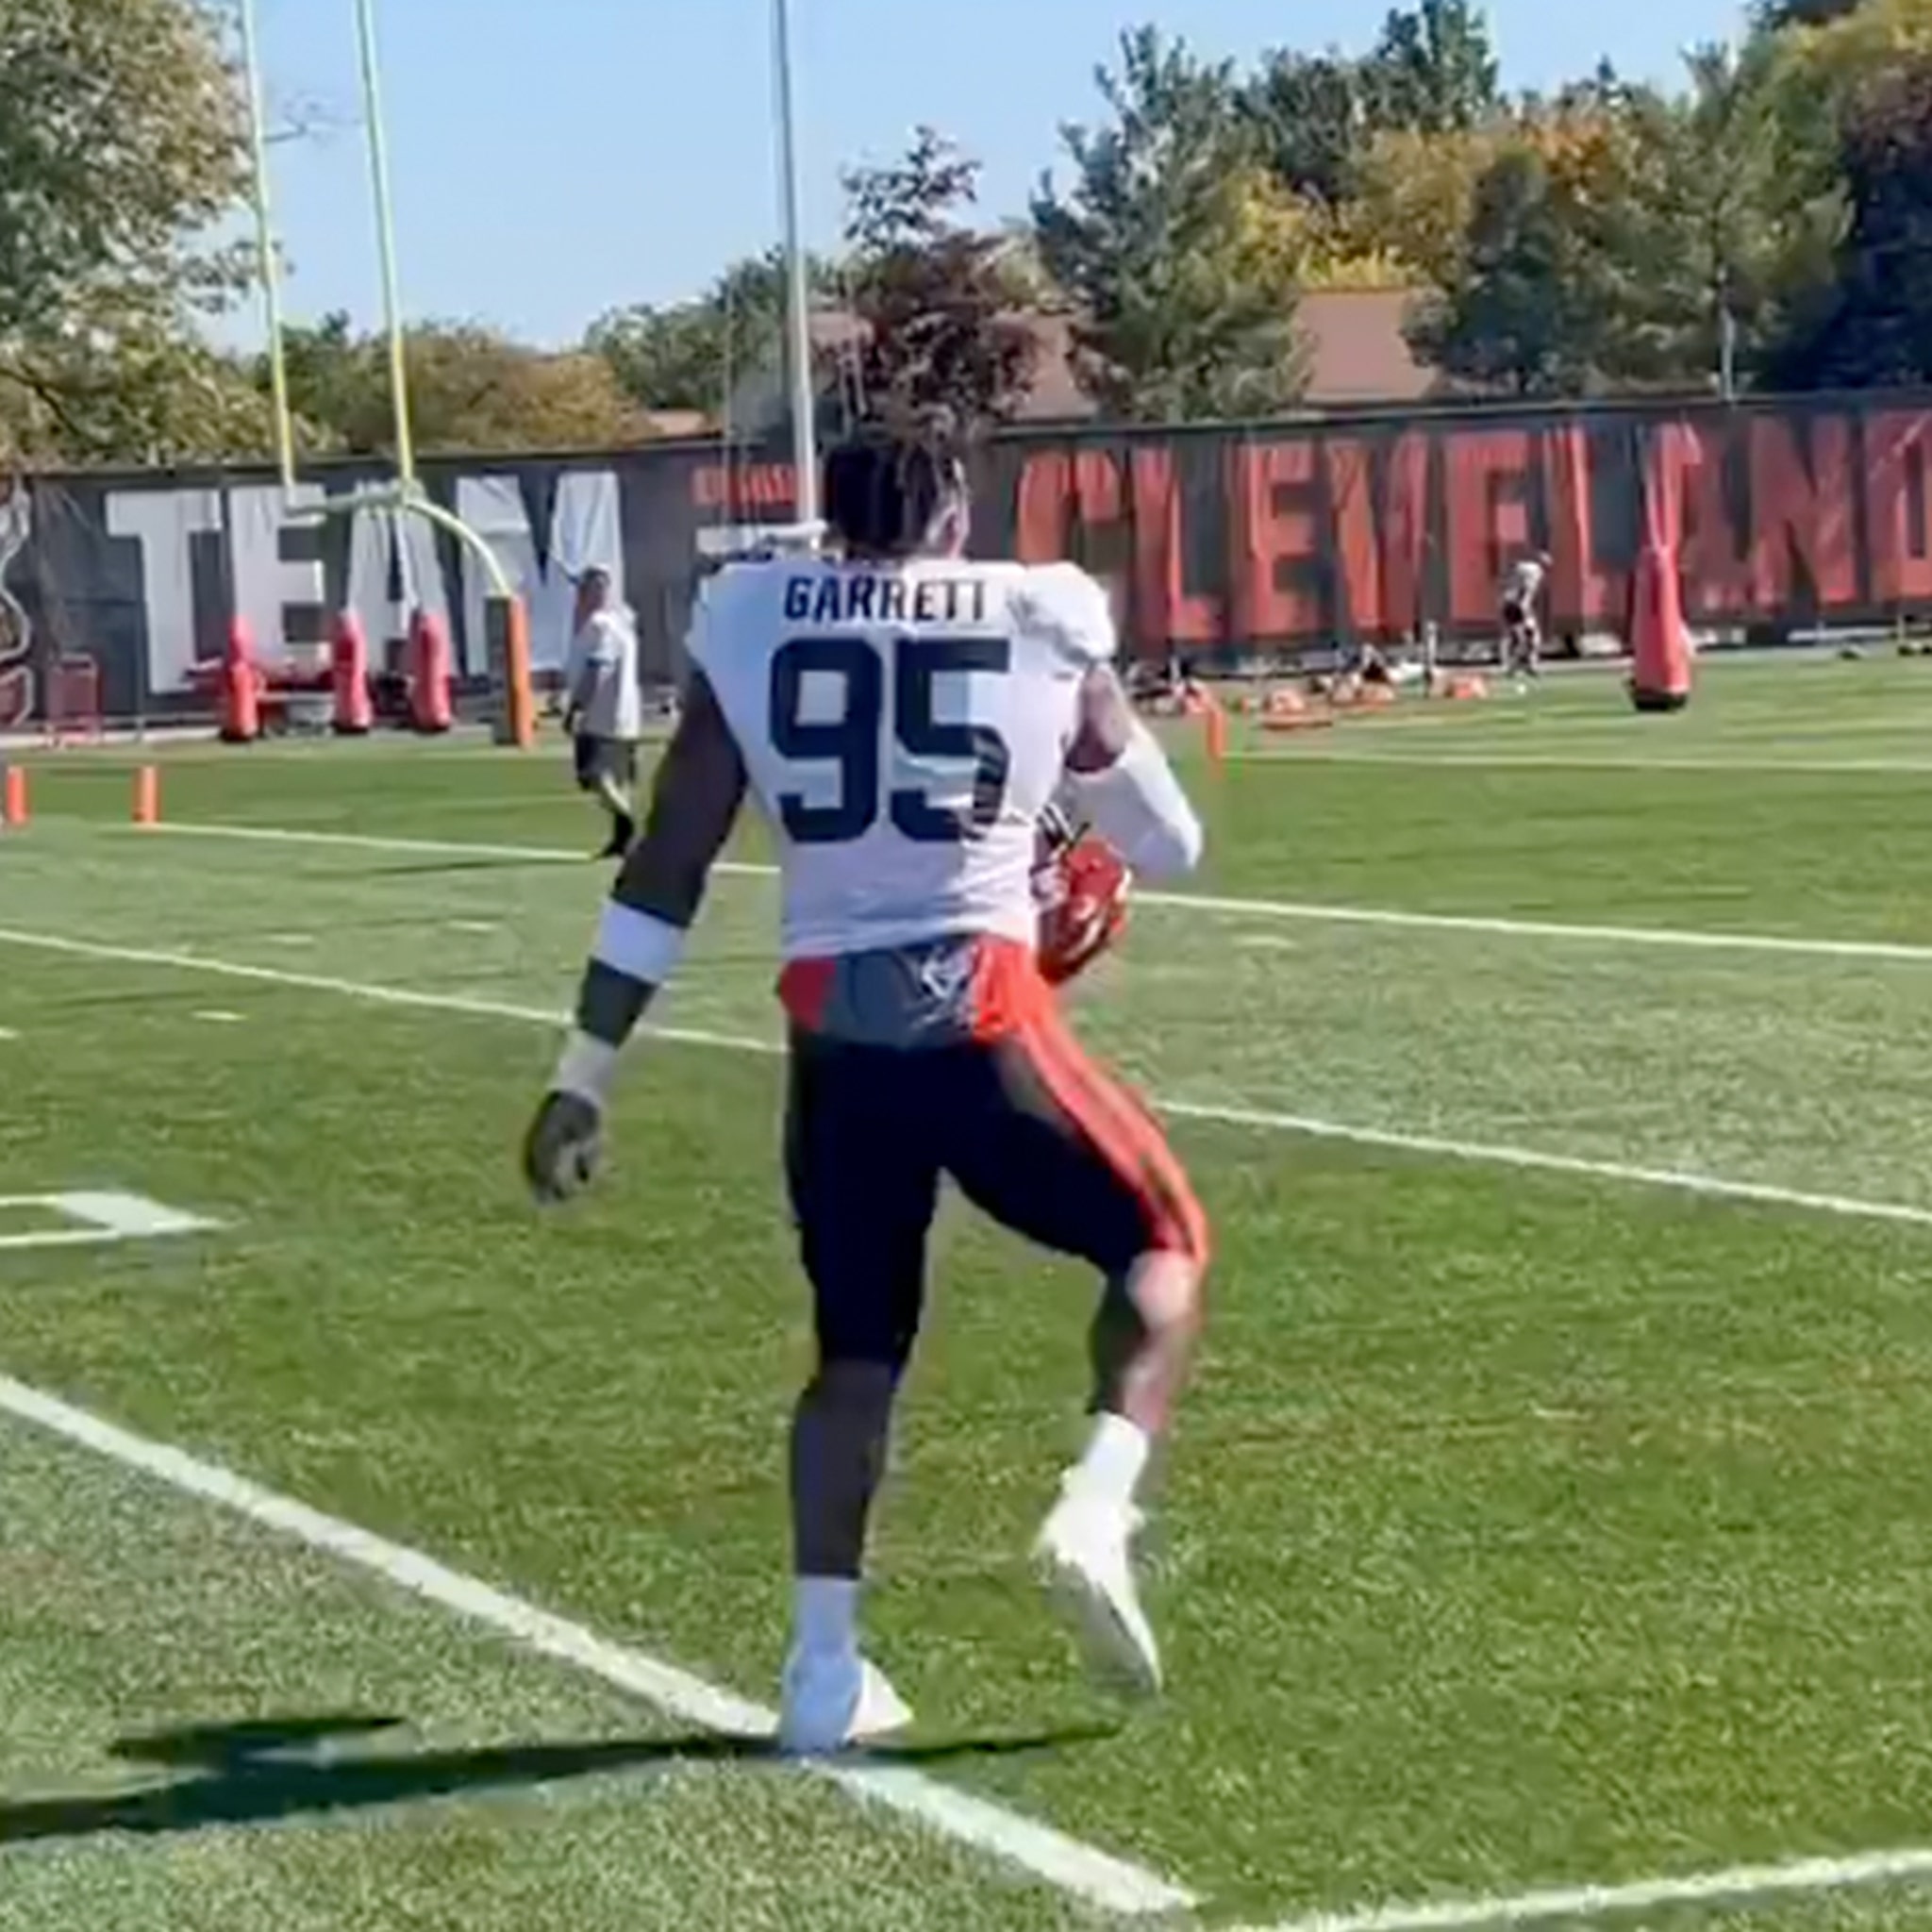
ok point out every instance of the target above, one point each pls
(1774, 16)
(1434, 69)
(1720, 246)
(1512, 317)
(151, 395)
(121, 148)
(1621, 237)
(1179, 251)
(1311, 118)
(1415, 197)
(694, 355)
(935, 296)
(1876, 328)
(470, 390)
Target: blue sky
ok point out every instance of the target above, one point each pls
(555, 159)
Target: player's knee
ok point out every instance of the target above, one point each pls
(1166, 1288)
(855, 1387)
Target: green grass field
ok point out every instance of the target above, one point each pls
(1554, 1510)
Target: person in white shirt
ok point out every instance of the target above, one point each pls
(1523, 632)
(604, 710)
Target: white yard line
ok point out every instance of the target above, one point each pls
(1714, 1186)
(1087, 1874)
(94, 1219)
(353, 989)
(1736, 1885)
(1308, 911)
(1760, 764)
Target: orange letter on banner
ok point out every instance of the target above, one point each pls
(1685, 486)
(1275, 526)
(1898, 454)
(1357, 566)
(1164, 613)
(1579, 593)
(1045, 507)
(1057, 490)
(1489, 516)
(1096, 489)
(1801, 510)
(1405, 537)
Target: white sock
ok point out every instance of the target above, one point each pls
(1115, 1459)
(825, 1613)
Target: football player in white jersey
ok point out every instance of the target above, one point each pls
(905, 720)
(1522, 630)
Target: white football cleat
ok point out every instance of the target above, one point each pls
(835, 1700)
(1084, 1553)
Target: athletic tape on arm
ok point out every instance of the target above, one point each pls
(638, 944)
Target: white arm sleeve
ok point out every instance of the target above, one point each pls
(1138, 807)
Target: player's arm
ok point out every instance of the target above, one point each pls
(641, 938)
(1120, 782)
(577, 673)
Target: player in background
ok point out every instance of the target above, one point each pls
(906, 719)
(1522, 630)
(603, 709)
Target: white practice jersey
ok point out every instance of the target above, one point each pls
(903, 728)
(1524, 583)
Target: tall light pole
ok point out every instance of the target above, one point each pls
(805, 441)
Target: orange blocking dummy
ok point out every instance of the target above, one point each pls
(1661, 665)
(430, 673)
(241, 686)
(348, 655)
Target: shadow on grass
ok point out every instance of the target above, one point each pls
(257, 1773)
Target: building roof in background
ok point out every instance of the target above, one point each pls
(1357, 350)
(1358, 355)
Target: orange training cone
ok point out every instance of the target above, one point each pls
(13, 808)
(147, 796)
(1660, 666)
(1214, 718)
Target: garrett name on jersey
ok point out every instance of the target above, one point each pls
(852, 597)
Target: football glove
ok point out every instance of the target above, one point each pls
(1081, 884)
(564, 1147)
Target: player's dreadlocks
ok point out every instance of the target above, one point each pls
(887, 487)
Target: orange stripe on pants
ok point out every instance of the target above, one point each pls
(1130, 1139)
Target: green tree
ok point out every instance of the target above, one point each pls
(1514, 315)
(1311, 122)
(936, 297)
(1876, 327)
(159, 395)
(1180, 253)
(1719, 247)
(1434, 69)
(121, 148)
(470, 390)
(1774, 16)
(1415, 194)
(695, 355)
